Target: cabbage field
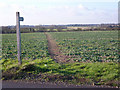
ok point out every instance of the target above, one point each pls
(95, 56)
(100, 46)
(97, 46)
(33, 46)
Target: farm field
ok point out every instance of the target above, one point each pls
(34, 46)
(95, 56)
(97, 46)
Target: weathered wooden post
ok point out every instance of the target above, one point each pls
(118, 30)
(18, 19)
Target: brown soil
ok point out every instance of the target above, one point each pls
(55, 52)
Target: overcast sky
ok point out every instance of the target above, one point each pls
(37, 12)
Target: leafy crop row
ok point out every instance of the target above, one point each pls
(96, 46)
(33, 46)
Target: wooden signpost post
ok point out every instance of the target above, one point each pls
(18, 19)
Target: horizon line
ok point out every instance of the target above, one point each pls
(60, 24)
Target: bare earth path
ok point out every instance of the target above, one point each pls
(55, 52)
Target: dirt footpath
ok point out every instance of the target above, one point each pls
(55, 52)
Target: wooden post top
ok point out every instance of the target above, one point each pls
(17, 12)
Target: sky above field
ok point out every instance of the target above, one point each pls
(37, 12)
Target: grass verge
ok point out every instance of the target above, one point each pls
(47, 70)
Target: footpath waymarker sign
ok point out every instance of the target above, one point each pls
(21, 19)
(18, 19)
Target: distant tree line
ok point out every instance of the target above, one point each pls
(55, 28)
